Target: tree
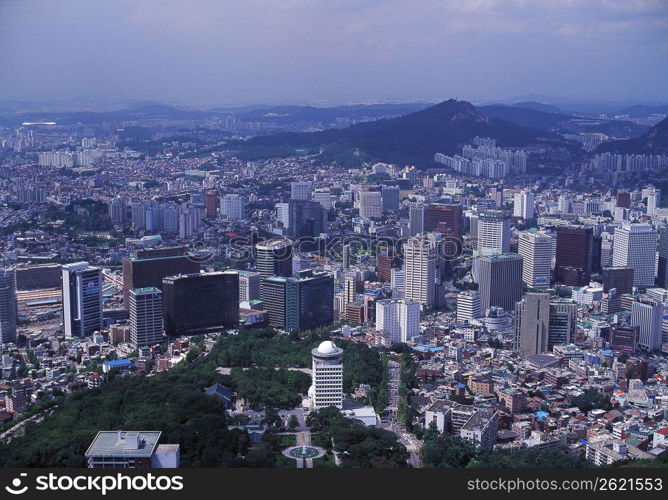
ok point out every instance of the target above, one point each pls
(293, 422)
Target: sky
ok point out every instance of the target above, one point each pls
(220, 52)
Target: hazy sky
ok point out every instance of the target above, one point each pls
(317, 51)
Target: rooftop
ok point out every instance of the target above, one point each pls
(139, 444)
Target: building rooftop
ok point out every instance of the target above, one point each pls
(139, 444)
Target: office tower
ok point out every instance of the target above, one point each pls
(386, 260)
(398, 283)
(500, 281)
(647, 314)
(8, 307)
(398, 319)
(443, 218)
(662, 271)
(653, 200)
(371, 204)
(82, 299)
(117, 210)
(493, 232)
(148, 268)
(532, 324)
(211, 203)
(564, 204)
(635, 246)
(307, 218)
(596, 253)
(199, 303)
(233, 206)
(39, 276)
(536, 251)
(146, 325)
(301, 190)
(346, 256)
(563, 323)
(249, 285)
(573, 256)
(391, 198)
(469, 305)
(416, 219)
(420, 271)
(619, 278)
(274, 257)
(327, 369)
(624, 339)
(309, 300)
(283, 214)
(171, 218)
(623, 199)
(272, 294)
(523, 205)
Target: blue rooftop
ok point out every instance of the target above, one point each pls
(540, 415)
(118, 363)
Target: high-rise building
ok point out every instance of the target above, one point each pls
(420, 271)
(118, 210)
(532, 324)
(563, 323)
(416, 219)
(468, 305)
(662, 271)
(536, 251)
(39, 276)
(211, 203)
(635, 246)
(148, 268)
(500, 281)
(274, 257)
(370, 204)
(623, 199)
(272, 294)
(199, 303)
(8, 308)
(624, 339)
(573, 255)
(653, 200)
(619, 278)
(249, 285)
(233, 206)
(398, 319)
(324, 197)
(647, 314)
(309, 300)
(493, 232)
(146, 325)
(391, 198)
(307, 218)
(386, 260)
(523, 205)
(301, 190)
(398, 283)
(82, 299)
(327, 368)
(346, 256)
(443, 218)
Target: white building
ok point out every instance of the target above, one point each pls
(648, 315)
(536, 250)
(399, 319)
(324, 198)
(635, 246)
(249, 285)
(420, 270)
(398, 283)
(146, 326)
(301, 190)
(233, 206)
(82, 299)
(283, 214)
(469, 305)
(523, 205)
(371, 204)
(493, 232)
(327, 372)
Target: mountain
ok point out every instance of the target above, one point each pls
(654, 141)
(539, 106)
(295, 114)
(640, 110)
(525, 117)
(408, 139)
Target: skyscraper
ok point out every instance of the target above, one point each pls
(443, 218)
(635, 246)
(309, 300)
(536, 250)
(573, 255)
(82, 299)
(233, 206)
(523, 205)
(399, 319)
(468, 305)
(249, 285)
(391, 198)
(500, 281)
(8, 308)
(493, 232)
(653, 200)
(563, 323)
(202, 302)
(416, 219)
(211, 203)
(420, 270)
(272, 294)
(307, 218)
(647, 314)
(301, 190)
(619, 278)
(274, 257)
(146, 325)
(532, 324)
(327, 369)
(662, 271)
(370, 204)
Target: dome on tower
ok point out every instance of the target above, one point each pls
(327, 347)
